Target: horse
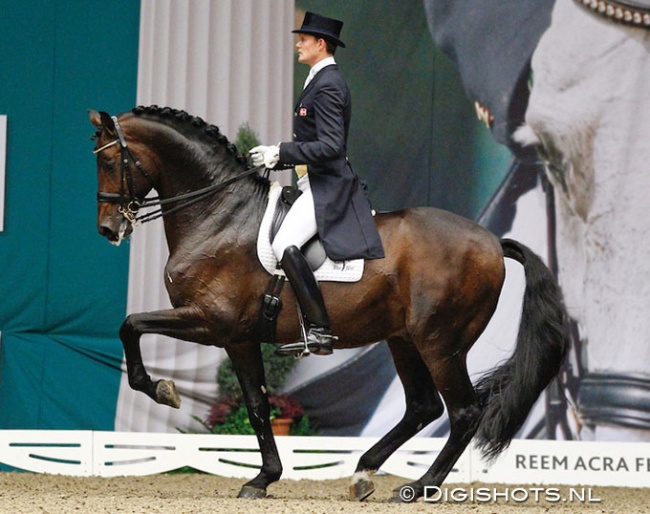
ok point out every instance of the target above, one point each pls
(588, 118)
(429, 298)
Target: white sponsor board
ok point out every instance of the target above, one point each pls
(86, 453)
(569, 463)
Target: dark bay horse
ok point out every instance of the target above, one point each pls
(429, 298)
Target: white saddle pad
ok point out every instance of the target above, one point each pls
(332, 271)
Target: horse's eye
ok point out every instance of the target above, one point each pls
(109, 165)
(556, 163)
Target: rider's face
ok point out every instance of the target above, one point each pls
(310, 49)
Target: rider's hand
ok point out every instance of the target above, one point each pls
(267, 155)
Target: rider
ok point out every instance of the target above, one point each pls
(333, 203)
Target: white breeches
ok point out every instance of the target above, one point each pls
(299, 226)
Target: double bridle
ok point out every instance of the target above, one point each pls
(130, 203)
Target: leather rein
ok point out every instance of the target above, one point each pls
(130, 203)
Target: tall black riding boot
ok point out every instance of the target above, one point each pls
(310, 299)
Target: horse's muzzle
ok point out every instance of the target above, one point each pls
(114, 227)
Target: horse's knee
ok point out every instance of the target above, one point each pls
(127, 329)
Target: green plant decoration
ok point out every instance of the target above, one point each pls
(246, 138)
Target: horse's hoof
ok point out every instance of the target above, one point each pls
(166, 394)
(361, 489)
(251, 493)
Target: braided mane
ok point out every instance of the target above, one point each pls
(183, 121)
(195, 126)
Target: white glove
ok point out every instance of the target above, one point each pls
(267, 155)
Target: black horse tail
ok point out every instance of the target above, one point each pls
(507, 393)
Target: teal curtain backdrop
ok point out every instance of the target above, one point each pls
(62, 287)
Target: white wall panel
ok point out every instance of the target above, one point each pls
(230, 62)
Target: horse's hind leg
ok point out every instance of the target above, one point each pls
(451, 377)
(423, 405)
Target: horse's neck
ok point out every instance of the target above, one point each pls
(184, 164)
(222, 217)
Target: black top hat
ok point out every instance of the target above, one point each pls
(317, 25)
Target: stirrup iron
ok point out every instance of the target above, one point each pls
(301, 348)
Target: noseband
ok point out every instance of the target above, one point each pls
(130, 203)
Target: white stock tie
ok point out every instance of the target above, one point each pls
(308, 79)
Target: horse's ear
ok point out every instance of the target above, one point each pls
(108, 123)
(95, 119)
(102, 120)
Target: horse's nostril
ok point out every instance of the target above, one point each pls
(107, 233)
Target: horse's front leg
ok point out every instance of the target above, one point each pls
(247, 362)
(183, 323)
